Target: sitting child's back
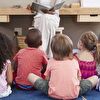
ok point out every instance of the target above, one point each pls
(88, 68)
(86, 55)
(64, 82)
(30, 59)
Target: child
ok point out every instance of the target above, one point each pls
(86, 55)
(98, 51)
(6, 77)
(30, 59)
(98, 62)
(62, 69)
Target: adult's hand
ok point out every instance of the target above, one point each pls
(48, 11)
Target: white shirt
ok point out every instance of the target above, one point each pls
(48, 3)
(3, 81)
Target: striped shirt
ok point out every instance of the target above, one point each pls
(88, 68)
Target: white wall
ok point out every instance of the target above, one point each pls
(10, 3)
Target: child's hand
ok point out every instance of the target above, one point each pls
(44, 10)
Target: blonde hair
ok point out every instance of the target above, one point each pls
(61, 47)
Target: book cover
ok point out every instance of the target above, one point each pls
(37, 6)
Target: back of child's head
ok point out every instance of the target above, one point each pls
(6, 50)
(33, 38)
(89, 40)
(61, 46)
(98, 50)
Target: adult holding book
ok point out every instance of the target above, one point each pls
(47, 21)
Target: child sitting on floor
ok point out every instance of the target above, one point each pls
(30, 59)
(98, 62)
(98, 56)
(86, 55)
(6, 76)
(62, 73)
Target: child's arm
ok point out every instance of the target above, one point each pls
(44, 63)
(15, 65)
(78, 75)
(9, 74)
(47, 73)
(15, 62)
(44, 68)
(52, 11)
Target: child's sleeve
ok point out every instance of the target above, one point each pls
(15, 62)
(15, 57)
(45, 60)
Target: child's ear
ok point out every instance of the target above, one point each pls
(79, 45)
(41, 42)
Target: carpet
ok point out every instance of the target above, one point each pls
(37, 95)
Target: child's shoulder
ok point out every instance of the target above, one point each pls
(22, 50)
(41, 51)
(74, 60)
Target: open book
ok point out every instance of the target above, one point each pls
(37, 6)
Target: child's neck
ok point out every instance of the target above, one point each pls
(84, 49)
(67, 58)
(85, 55)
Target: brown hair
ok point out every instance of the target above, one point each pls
(89, 40)
(92, 43)
(98, 50)
(61, 46)
(33, 38)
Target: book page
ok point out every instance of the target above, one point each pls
(36, 6)
(58, 6)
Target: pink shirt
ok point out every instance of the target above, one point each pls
(30, 60)
(63, 83)
(3, 77)
(88, 68)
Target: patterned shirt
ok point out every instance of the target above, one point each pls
(88, 68)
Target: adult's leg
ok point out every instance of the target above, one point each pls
(47, 24)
